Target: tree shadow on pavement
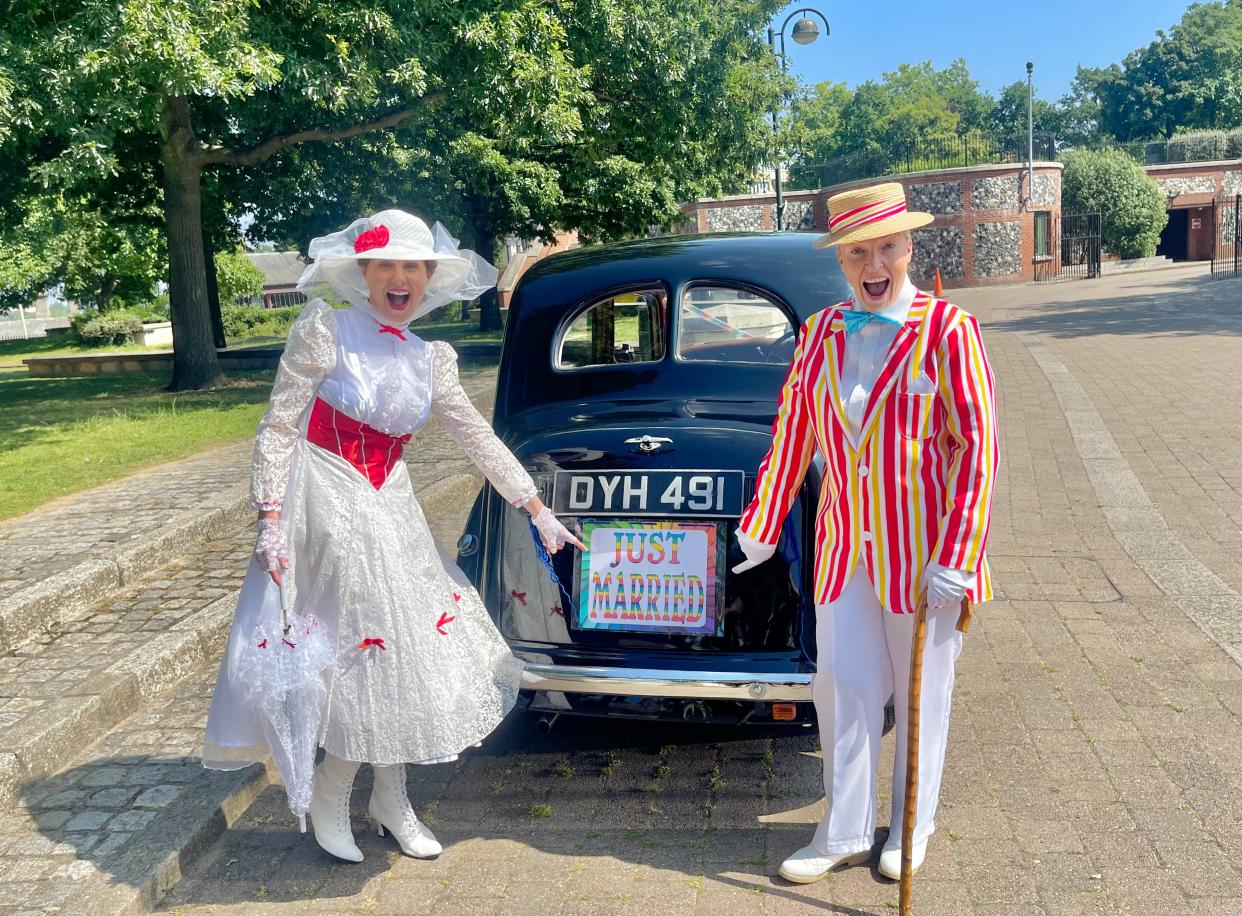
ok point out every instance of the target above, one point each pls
(1196, 306)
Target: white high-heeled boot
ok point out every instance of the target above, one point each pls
(329, 808)
(390, 808)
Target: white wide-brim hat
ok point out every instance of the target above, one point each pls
(869, 213)
(395, 235)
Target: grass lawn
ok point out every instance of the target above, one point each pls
(12, 352)
(62, 435)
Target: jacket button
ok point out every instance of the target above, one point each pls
(867, 536)
(863, 471)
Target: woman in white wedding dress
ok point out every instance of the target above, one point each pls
(419, 671)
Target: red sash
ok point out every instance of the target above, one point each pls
(372, 452)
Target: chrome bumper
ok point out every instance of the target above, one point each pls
(655, 682)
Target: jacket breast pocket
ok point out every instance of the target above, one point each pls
(914, 412)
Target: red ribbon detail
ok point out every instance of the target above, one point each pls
(372, 238)
(263, 645)
(389, 329)
(558, 610)
(456, 597)
(444, 619)
(373, 641)
(291, 645)
(520, 596)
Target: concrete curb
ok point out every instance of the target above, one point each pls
(42, 748)
(68, 596)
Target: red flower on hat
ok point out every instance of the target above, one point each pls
(372, 238)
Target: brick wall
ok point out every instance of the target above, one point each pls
(981, 235)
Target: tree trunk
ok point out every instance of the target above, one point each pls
(489, 302)
(194, 351)
(213, 295)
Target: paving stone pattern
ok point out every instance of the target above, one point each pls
(1092, 767)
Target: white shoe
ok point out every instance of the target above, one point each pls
(809, 864)
(390, 808)
(890, 859)
(329, 808)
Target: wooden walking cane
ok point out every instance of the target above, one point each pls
(910, 801)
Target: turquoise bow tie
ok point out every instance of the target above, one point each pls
(855, 319)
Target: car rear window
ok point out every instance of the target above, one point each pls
(617, 329)
(726, 324)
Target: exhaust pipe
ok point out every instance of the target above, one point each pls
(544, 724)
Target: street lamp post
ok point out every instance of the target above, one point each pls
(1030, 132)
(805, 31)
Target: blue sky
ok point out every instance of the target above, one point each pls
(996, 38)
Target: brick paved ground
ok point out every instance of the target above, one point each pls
(1093, 760)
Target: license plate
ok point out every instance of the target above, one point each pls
(654, 577)
(703, 494)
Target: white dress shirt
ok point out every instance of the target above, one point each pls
(866, 351)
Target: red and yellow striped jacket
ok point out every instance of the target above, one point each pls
(917, 486)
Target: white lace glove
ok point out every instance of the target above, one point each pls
(270, 547)
(554, 534)
(756, 551)
(946, 587)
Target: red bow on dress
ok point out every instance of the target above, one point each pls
(373, 641)
(389, 329)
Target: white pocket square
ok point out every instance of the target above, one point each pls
(921, 385)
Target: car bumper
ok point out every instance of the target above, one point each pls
(764, 687)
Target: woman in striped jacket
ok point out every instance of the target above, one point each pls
(894, 390)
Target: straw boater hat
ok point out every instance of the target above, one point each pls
(395, 235)
(869, 213)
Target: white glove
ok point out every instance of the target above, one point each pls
(270, 547)
(554, 534)
(946, 587)
(756, 551)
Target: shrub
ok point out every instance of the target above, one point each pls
(1198, 146)
(109, 328)
(1131, 206)
(242, 321)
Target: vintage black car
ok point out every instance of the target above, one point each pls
(638, 384)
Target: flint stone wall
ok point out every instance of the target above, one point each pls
(937, 246)
(735, 219)
(1191, 184)
(939, 198)
(1233, 182)
(999, 193)
(1046, 191)
(998, 249)
(799, 214)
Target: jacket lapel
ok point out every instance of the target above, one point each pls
(834, 362)
(898, 355)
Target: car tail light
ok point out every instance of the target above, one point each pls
(784, 712)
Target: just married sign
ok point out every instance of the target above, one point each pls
(649, 576)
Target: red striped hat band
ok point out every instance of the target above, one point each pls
(865, 215)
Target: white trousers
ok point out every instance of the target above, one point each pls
(863, 652)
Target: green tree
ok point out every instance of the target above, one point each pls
(1132, 209)
(668, 104)
(1190, 77)
(236, 278)
(213, 90)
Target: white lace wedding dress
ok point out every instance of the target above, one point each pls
(420, 670)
